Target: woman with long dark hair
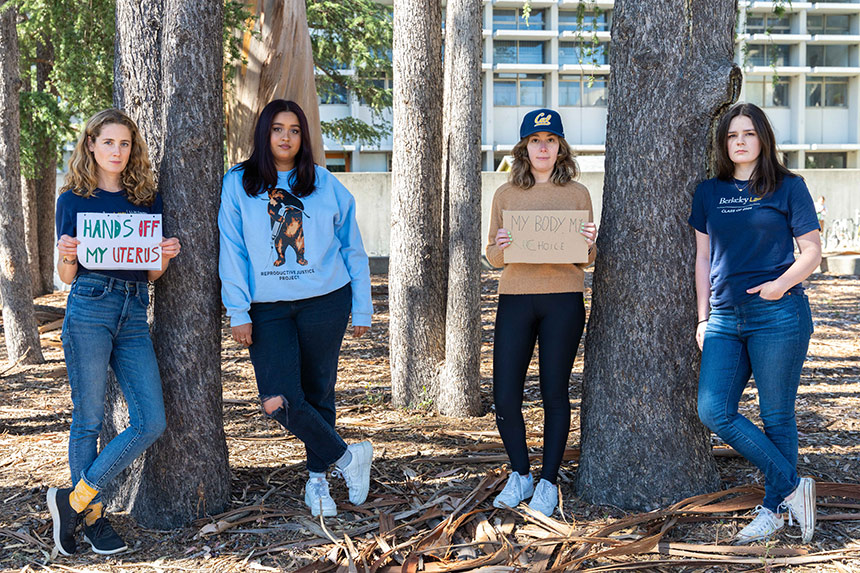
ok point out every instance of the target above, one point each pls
(537, 302)
(293, 268)
(105, 325)
(754, 317)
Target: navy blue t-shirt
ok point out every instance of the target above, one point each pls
(69, 205)
(751, 238)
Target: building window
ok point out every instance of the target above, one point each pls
(518, 52)
(820, 160)
(764, 92)
(587, 91)
(592, 21)
(768, 54)
(335, 95)
(828, 23)
(768, 24)
(337, 162)
(569, 90)
(514, 20)
(832, 56)
(583, 53)
(519, 89)
(380, 83)
(826, 91)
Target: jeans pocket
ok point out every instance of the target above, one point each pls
(90, 291)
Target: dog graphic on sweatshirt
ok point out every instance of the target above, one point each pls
(285, 211)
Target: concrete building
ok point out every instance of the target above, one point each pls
(802, 67)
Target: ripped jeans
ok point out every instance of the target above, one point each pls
(295, 351)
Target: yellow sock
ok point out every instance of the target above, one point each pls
(96, 511)
(81, 496)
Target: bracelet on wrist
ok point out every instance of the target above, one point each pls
(701, 321)
(68, 261)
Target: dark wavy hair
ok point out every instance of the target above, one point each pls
(259, 173)
(769, 170)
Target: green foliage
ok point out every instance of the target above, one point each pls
(73, 43)
(354, 35)
(237, 21)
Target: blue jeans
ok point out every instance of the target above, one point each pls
(295, 351)
(105, 324)
(769, 340)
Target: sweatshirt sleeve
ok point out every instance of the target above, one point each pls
(495, 256)
(592, 252)
(353, 253)
(233, 262)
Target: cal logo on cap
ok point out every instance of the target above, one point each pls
(543, 119)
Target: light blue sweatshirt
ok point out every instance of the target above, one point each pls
(277, 247)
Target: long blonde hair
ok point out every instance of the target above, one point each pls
(564, 171)
(137, 178)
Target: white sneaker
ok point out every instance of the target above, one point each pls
(765, 524)
(318, 498)
(800, 506)
(517, 489)
(357, 472)
(545, 498)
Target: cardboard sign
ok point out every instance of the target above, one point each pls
(545, 236)
(111, 241)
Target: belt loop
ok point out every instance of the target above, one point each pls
(109, 287)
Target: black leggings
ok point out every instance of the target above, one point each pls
(557, 320)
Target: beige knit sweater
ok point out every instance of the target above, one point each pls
(523, 278)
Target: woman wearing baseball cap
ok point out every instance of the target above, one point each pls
(537, 302)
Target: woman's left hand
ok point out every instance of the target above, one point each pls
(170, 247)
(359, 331)
(768, 291)
(589, 231)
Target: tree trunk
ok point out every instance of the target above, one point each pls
(185, 474)
(19, 319)
(137, 91)
(672, 74)
(46, 186)
(39, 193)
(137, 86)
(459, 386)
(417, 257)
(280, 65)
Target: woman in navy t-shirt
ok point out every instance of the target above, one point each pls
(753, 315)
(105, 325)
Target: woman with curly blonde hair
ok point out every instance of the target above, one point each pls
(105, 325)
(537, 302)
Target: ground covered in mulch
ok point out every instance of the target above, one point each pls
(433, 477)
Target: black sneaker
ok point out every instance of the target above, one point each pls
(103, 538)
(65, 520)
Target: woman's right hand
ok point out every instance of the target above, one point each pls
(700, 334)
(68, 247)
(503, 239)
(242, 334)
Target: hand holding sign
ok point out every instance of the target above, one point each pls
(114, 241)
(548, 236)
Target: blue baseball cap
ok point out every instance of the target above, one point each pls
(541, 120)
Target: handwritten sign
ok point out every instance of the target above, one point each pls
(112, 241)
(545, 236)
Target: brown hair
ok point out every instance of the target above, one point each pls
(769, 170)
(564, 171)
(137, 178)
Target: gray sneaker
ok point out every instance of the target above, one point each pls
(800, 506)
(517, 489)
(318, 498)
(357, 472)
(765, 524)
(545, 498)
